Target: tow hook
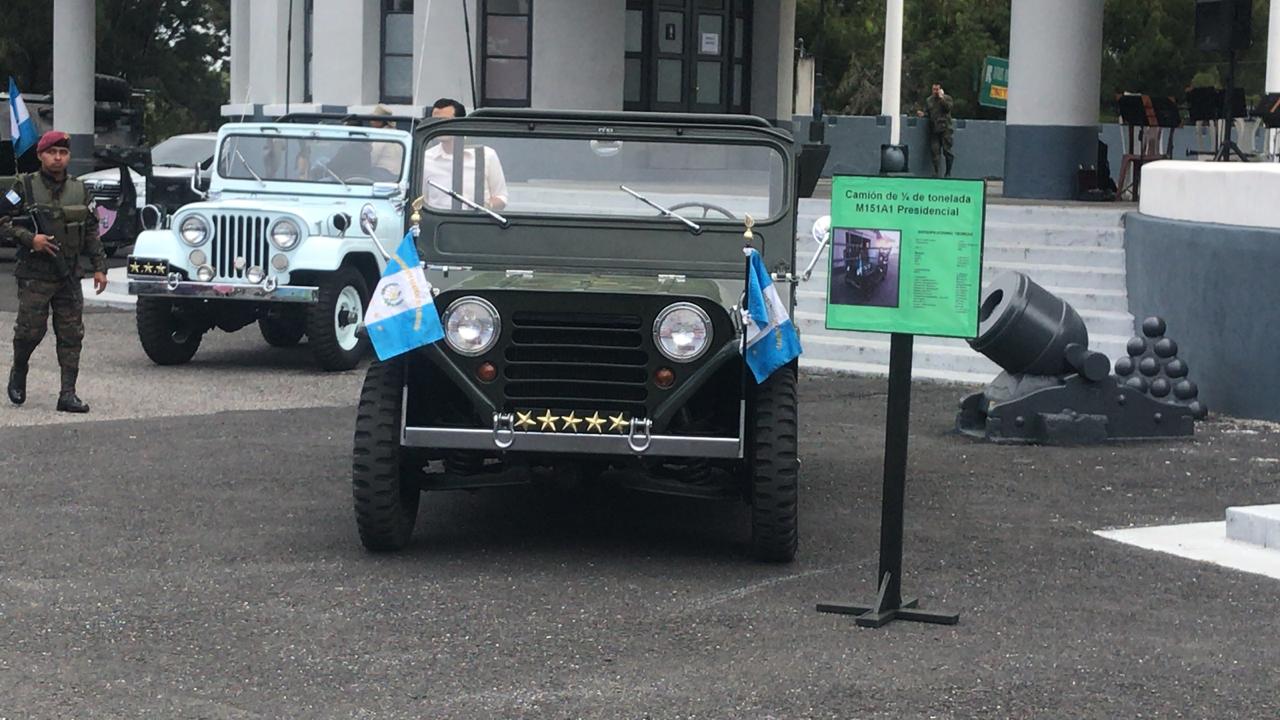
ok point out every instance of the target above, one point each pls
(504, 430)
(639, 437)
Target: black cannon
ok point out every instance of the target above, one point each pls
(1054, 389)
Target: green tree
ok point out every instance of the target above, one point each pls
(174, 50)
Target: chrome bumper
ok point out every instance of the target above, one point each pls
(223, 291)
(637, 441)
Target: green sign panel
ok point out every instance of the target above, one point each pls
(995, 83)
(906, 255)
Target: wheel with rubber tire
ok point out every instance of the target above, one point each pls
(773, 467)
(165, 338)
(386, 505)
(331, 322)
(282, 332)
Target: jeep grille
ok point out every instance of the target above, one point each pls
(238, 236)
(569, 360)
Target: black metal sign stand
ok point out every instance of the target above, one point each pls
(889, 605)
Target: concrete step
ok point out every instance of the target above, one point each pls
(1055, 235)
(917, 372)
(1030, 254)
(1046, 275)
(1255, 524)
(1070, 216)
(946, 354)
(1082, 299)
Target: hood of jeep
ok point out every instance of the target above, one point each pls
(725, 293)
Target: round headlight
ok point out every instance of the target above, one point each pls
(285, 234)
(471, 326)
(194, 230)
(682, 332)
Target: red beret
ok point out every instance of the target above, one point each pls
(53, 138)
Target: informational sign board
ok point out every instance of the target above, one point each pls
(995, 83)
(906, 255)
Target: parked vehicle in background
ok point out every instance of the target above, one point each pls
(164, 182)
(277, 241)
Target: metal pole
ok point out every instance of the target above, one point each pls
(1273, 49)
(471, 68)
(897, 424)
(891, 92)
(288, 57)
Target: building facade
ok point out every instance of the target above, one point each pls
(715, 56)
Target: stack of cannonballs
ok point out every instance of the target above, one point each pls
(1153, 367)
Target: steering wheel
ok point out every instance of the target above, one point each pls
(706, 208)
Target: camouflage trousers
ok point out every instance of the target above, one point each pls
(940, 149)
(35, 299)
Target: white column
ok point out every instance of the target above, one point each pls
(772, 60)
(270, 56)
(440, 46)
(1055, 79)
(241, 70)
(73, 86)
(348, 76)
(578, 61)
(891, 90)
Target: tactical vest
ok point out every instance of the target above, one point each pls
(66, 218)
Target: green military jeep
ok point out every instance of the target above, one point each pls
(589, 272)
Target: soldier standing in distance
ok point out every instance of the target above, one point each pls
(48, 269)
(938, 107)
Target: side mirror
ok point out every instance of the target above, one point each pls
(822, 235)
(199, 184)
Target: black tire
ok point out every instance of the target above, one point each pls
(282, 332)
(773, 468)
(386, 505)
(322, 329)
(156, 328)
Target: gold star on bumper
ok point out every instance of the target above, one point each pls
(571, 422)
(595, 422)
(135, 268)
(617, 422)
(548, 421)
(524, 419)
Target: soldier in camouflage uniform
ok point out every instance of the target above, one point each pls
(938, 108)
(48, 269)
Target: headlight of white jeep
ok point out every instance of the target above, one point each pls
(194, 230)
(471, 326)
(285, 234)
(682, 332)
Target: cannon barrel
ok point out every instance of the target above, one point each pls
(1026, 329)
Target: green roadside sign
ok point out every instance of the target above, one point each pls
(994, 92)
(906, 255)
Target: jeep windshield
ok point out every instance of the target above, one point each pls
(333, 161)
(705, 180)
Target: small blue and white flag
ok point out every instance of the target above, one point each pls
(772, 340)
(401, 315)
(22, 129)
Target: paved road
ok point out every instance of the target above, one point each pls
(207, 566)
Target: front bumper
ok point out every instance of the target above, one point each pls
(635, 440)
(178, 288)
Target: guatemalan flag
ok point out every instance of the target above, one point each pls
(401, 315)
(772, 340)
(22, 129)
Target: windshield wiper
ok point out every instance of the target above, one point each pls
(244, 162)
(665, 212)
(334, 175)
(473, 205)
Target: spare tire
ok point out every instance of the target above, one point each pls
(110, 88)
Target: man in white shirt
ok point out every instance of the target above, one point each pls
(438, 167)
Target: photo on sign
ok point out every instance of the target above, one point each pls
(864, 267)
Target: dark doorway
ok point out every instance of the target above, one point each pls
(688, 56)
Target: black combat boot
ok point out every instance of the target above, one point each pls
(68, 401)
(17, 385)
(18, 374)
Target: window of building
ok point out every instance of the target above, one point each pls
(507, 45)
(397, 51)
(688, 56)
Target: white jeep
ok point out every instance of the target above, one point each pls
(279, 240)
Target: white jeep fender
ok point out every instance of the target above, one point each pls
(163, 245)
(326, 254)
